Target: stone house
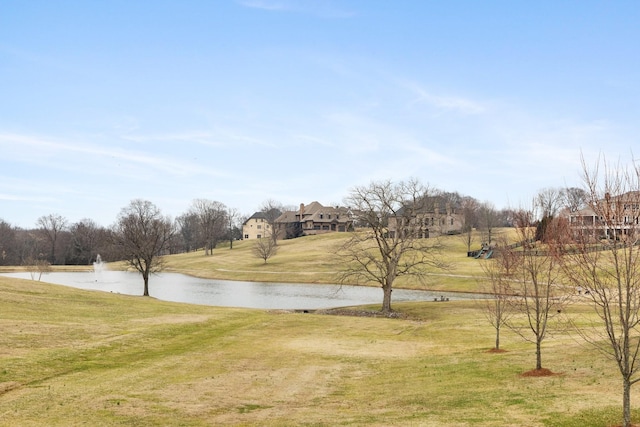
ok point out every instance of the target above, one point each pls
(429, 222)
(313, 218)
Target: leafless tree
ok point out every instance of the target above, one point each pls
(142, 234)
(233, 216)
(608, 270)
(37, 267)
(84, 242)
(549, 200)
(188, 229)
(499, 272)
(537, 275)
(50, 227)
(265, 248)
(212, 220)
(488, 220)
(378, 254)
(575, 198)
(272, 209)
(467, 236)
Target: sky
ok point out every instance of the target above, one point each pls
(241, 101)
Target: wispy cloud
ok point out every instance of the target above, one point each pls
(443, 102)
(321, 8)
(264, 4)
(63, 155)
(216, 138)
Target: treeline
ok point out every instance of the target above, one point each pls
(204, 225)
(58, 242)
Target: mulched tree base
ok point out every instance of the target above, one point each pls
(542, 372)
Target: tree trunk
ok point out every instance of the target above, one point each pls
(538, 355)
(145, 276)
(498, 338)
(626, 403)
(386, 301)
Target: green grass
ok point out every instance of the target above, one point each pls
(73, 357)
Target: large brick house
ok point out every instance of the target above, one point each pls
(314, 218)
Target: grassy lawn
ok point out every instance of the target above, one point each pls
(73, 357)
(313, 259)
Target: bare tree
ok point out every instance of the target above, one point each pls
(537, 274)
(188, 229)
(499, 272)
(604, 261)
(488, 220)
(265, 248)
(212, 220)
(549, 200)
(37, 267)
(142, 234)
(233, 216)
(85, 236)
(50, 227)
(272, 210)
(380, 255)
(467, 236)
(575, 198)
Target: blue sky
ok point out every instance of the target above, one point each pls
(241, 101)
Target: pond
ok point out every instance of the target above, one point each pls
(183, 288)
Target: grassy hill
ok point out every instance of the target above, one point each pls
(313, 259)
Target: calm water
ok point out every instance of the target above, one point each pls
(182, 288)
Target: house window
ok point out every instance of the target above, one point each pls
(451, 221)
(259, 236)
(246, 236)
(321, 216)
(259, 227)
(329, 216)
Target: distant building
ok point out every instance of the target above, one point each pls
(432, 221)
(613, 217)
(313, 219)
(256, 226)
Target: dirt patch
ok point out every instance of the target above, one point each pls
(496, 350)
(542, 372)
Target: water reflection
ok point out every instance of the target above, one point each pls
(182, 288)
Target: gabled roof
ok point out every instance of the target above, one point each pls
(262, 215)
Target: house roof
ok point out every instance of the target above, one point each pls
(316, 212)
(262, 215)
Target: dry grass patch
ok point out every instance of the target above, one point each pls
(102, 359)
